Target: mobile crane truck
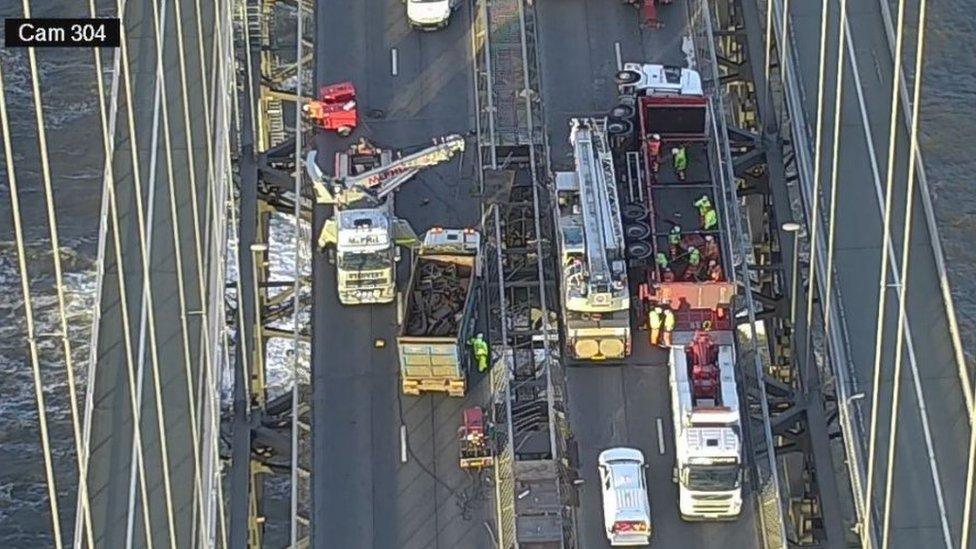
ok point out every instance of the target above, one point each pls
(364, 229)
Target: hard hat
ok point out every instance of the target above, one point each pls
(674, 150)
(480, 335)
(709, 238)
(305, 107)
(656, 136)
(711, 263)
(676, 229)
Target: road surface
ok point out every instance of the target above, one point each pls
(363, 496)
(619, 405)
(932, 415)
(116, 501)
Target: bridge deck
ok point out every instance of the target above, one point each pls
(363, 496)
(613, 405)
(116, 502)
(932, 400)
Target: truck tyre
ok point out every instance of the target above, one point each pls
(623, 112)
(639, 250)
(634, 212)
(344, 131)
(638, 231)
(627, 77)
(616, 127)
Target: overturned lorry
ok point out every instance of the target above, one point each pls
(440, 312)
(682, 264)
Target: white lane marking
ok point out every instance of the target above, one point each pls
(394, 58)
(660, 436)
(403, 443)
(616, 51)
(399, 301)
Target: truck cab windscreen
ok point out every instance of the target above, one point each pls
(365, 261)
(712, 478)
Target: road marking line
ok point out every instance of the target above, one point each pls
(660, 436)
(399, 300)
(616, 50)
(403, 443)
(393, 61)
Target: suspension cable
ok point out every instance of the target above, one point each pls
(769, 38)
(159, 29)
(29, 316)
(903, 287)
(109, 148)
(883, 277)
(297, 283)
(147, 287)
(59, 282)
(815, 196)
(834, 164)
(211, 200)
(786, 43)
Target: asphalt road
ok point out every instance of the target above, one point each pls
(114, 503)
(363, 496)
(614, 405)
(932, 417)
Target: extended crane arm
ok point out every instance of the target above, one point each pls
(380, 182)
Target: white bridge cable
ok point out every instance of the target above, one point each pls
(159, 24)
(903, 285)
(147, 283)
(227, 72)
(58, 279)
(815, 195)
(834, 167)
(109, 189)
(297, 283)
(29, 317)
(909, 345)
(229, 79)
(883, 280)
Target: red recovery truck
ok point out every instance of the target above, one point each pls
(335, 108)
(648, 12)
(682, 265)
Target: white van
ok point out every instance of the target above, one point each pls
(430, 15)
(626, 510)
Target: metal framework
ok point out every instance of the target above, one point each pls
(531, 473)
(275, 433)
(804, 415)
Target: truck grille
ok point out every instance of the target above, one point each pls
(358, 282)
(711, 504)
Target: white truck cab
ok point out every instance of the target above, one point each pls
(429, 15)
(626, 510)
(654, 79)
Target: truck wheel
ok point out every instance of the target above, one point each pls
(639, 250)
(344, 131)
(619, 127)
(627, 77)
(634, 212)
(624, 112)
(638, 231)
